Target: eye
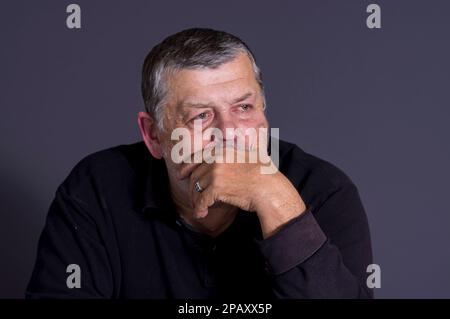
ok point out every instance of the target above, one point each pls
(245, 107)
(201, 116)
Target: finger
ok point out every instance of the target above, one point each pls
(203, 202)
(186, 169)
(202, 176)
(200, 173)
(235, 154)
(190, 163)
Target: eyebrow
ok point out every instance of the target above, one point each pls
(202, 105)
(243, 97)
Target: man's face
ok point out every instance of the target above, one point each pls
(226, 97)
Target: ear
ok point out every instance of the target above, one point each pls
(149, 131)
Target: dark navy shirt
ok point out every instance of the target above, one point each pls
(114, 218)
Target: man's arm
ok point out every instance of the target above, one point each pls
(306, 261)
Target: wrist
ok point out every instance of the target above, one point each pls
(277, 207)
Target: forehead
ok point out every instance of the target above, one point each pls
(226, 81)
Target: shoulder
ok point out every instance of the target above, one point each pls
(314, 177)
(296, 163)
(104, 169)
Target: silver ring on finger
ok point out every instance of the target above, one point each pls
(198, 187)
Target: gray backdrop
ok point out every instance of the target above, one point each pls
(373, 102)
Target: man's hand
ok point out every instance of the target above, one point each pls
(274, 199)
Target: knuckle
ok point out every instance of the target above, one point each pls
(216, 171)
(215, 183)
(193, 178)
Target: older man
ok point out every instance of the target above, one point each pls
(132, 222)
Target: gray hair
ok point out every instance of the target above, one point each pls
(194, 48)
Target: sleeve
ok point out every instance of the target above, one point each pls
(305, 261)
(70, 237)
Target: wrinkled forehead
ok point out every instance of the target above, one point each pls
(225, 83)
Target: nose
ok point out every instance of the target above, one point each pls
(227, 126)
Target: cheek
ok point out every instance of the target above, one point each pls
(250, 130)
(256, 121)
(166, 149)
